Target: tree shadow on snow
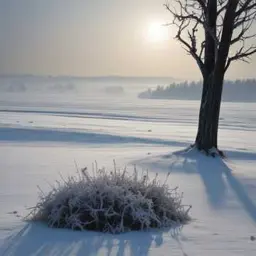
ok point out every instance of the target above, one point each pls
(38, 239)
(211, 173)
(215, 174)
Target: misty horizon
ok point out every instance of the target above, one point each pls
(96, 39)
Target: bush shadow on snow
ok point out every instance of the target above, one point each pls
(38, 239)
(215, 174)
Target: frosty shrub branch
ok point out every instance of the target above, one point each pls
(215, 33)
(112, 202)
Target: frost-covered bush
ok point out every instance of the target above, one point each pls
(114, 201)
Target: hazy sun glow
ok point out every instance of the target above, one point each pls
(157, 32)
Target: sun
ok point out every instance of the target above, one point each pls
(157, 32)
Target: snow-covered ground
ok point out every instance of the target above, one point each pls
(43, 134)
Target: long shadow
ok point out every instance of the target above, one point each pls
(215, 174)
(211, 174)
(241, 193)
(37, 239)
(241, 155)
(10, 134)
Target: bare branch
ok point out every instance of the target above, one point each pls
(187, 21)
(246, 6)
(202, 4)
(241, 55)
(208, 16)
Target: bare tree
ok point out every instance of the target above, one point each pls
(210, 30)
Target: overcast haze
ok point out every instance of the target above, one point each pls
(92, 38)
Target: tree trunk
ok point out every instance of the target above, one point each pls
(207, 135)
(203, 141)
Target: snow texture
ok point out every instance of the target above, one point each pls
(42, 132)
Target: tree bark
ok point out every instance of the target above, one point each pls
(202, 139)
(207, 135)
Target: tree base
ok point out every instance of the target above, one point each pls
(213, 152)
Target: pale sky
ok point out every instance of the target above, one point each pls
(94, 38)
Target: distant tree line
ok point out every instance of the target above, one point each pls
(237, 91)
